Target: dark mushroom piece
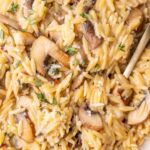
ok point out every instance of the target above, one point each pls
(141, 113)
(10, 22)
(125, 95)
(27, 7)
(90, 119)
(41, 48)
(89, 4)
(89, 33)
(136, 14)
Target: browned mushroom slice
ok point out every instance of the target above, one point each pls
(124, 94)
(41, 48)
(141, 113)
(27, 7)
(12, 23)
(90, 119)
(134, 16)
(90, 36)
(23, 38)
(89, 4)
(27, 130)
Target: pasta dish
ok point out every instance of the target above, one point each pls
(61, 75)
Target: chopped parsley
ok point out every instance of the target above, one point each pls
(71, 51)
(2, 35)
(18, 63)
(42, 97)
(75, 62)
(121, 47)
(84, 15)
(38, 82)
(83, 62)
(54, 102)
(23, 30)
(13, 8)
(55, 71)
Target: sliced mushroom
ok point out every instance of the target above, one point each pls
(136, 14)
(10, 22)
(124, 94)
(141, 113)
(23, 38)
(27, 130)
(27, 7)
(89, 33)
(78, 81)
(89, 4)
(89, 119)
(43, 47)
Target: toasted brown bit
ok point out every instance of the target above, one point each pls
(10, 22)
(89, 119)
(141, 113)
(27, 7)
(90, 36)
(27, 130)
(41, 48)
(23, 38)
(136, 14)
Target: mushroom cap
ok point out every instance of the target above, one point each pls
(134, 16)
(43, 47)
(140, 114)
(90, 35)
(90, 119)
(23, 38)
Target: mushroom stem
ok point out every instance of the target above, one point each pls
(141, 113)
(143, 42)
(6, 20)
(43, 47)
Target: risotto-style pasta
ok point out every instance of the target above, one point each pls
(61, 75)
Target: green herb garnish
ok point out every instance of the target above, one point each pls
(54, 102)
(13, 8)
(83, 62)
(38, 82)
(84, 15)
(18, 63)
(55, 71)
(2, 34)
(23, 30)
(42, 97)
(121, 47)
(71, 51)
(75, 62)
